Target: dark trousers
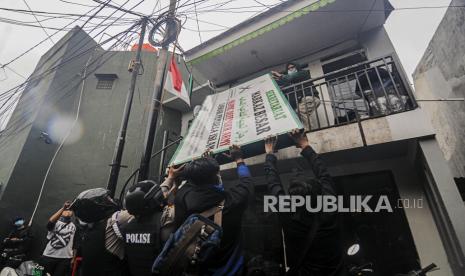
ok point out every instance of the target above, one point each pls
(56, 266)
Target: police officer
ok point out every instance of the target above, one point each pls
(141, 234)
(94, 207)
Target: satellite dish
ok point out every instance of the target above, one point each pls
(353, 249)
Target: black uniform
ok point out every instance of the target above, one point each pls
(96, 260)
(325, 255)
(191, 199)
(142, 243)
(14, 249)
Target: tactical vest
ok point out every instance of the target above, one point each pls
(142, 243)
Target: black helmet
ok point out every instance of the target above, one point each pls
(144, 198)
(94, 205)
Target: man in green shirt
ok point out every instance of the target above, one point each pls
(298, 88)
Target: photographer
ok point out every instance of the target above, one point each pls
(58, 253)
(313, 241)
(203, 191)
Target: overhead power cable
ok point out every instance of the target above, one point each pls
(197, 20)
(20, 23)
(94, 15)
(78, 45)
(32, 24)
(250, 9)
(51, 69)
(238, 9)
(24, 118)
(37, 19)
(14, 71)
(38, 44)
(78, 4)
(75, 46)
(130, 11)
(45, 13)
(23, 85)
(39, 197)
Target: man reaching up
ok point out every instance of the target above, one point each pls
(313, 242)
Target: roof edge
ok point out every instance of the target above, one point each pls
(258, 32)
(239, 26)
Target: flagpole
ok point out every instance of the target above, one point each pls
(119, 147)
(155, 106)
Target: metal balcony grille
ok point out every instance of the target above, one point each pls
(358, 92)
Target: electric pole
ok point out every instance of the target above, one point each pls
(119, 147)
(155, 106)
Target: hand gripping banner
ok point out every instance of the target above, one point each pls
(243, 115)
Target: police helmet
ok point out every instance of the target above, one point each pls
(94, 205)
(144, 197)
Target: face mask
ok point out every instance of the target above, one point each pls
(65, 219)
(19, 223)
(291, 71)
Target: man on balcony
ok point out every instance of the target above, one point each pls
(299, 90)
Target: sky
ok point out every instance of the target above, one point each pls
(409, 30)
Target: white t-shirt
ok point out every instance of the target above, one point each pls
(60, 241)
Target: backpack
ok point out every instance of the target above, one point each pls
(193, 243)
(167, 225)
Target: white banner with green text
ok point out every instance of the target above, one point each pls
(241, 115)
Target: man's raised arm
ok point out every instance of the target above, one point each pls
(239, 194)
(273, 180)
(316, 163)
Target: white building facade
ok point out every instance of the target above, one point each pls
(368, 127)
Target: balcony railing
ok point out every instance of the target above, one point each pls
(362, 91)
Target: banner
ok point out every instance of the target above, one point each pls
(241, 115)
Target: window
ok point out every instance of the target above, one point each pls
(105, 81)
(339, 62)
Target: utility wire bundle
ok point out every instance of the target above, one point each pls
(93, 21)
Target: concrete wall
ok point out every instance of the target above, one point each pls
(375, 42)
(446, 204)
(410, 188)
(395, 157)
(37, 104)
(83, 161)
(13, 137)
(377, 131)
(441, 74)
